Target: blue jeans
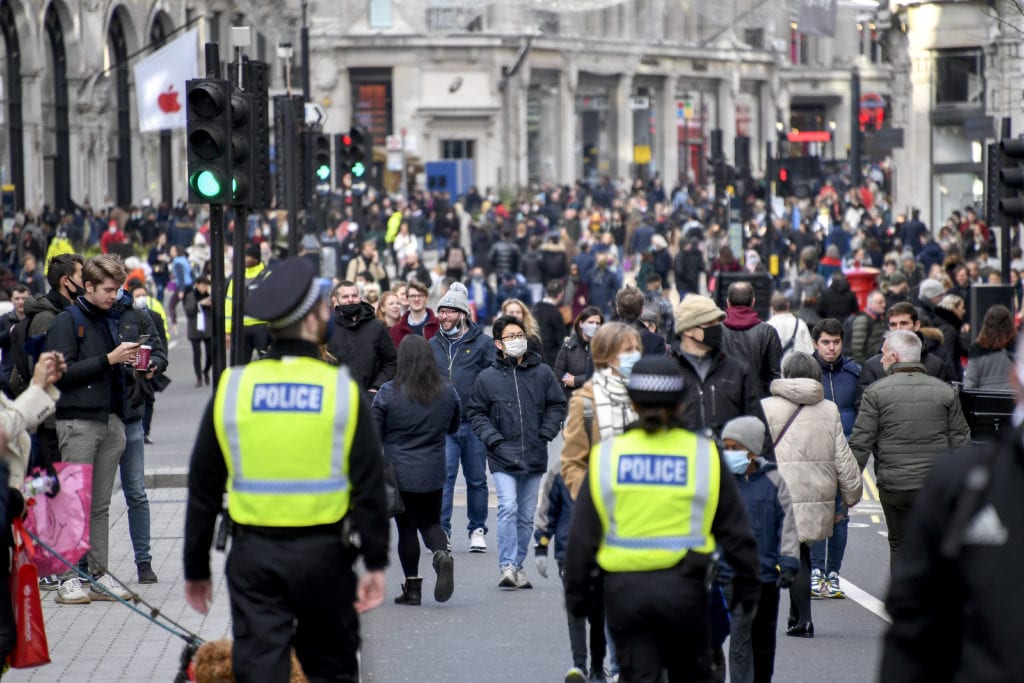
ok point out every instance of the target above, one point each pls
(834, 545)
(133, 472)
(517, 501)
(465, 447)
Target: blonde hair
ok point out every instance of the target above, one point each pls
(104, 267)
(383, 304)
(610, 337)
(529, 322)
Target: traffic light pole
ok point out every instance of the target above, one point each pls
(855, 171)
(218, 290)
(238, 292)
(291, 179)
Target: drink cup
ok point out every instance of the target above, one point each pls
(142, 357)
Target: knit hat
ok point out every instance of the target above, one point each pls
(747, 431)
(456, 297)
(930, 288)
(696, 310)
(656, 380)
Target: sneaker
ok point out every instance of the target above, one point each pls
(508, 577)
(148, 441)
(833, 586)
(477, 544)
(146, 573)
(819, 587)
(106, 581)
(575, 675)
(521, 580)
(49, 583)
(70, 593)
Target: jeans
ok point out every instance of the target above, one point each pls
(517, 501)
(834, 546)
(466, 448)
(896, 506)
(134, 487)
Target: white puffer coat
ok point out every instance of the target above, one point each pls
(813, 455)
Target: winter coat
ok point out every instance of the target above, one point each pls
(401, 329)
(931, 254)
(504, 257)
(132, 324)
(603, 284)
(956, 343)
(838, 301)
(793, 333)
(574, 358)
(840, 380)
(959, 618)
(413, 435)
(516, 409)
(532, 266)
(728, 391)
(813, 455)
(461, 360)
(554, 262)
(666, 316)
(554, 514)
(755, 342)
(191, 305)
(866, 334)
(577, 442)
(364, 346)
(552, 329)
(651, 344)
(688, 265)
(905, 419)
(871, 371)
(770, 509)
(988, 369)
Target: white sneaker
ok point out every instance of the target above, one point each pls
(508, 577)
(521, 580)
(477, 544)
(112, 586)
(70, 593)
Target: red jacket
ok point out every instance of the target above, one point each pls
(400, 329)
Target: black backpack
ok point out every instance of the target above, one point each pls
(21, 360)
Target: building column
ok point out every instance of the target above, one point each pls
(624, 128)
(728, 88)
(568, 143)
(670, 133)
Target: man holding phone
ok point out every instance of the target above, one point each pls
(93, 406)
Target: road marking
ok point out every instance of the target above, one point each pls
(866, 600)
(173, 344)
(870, 483)
(875, 519)
(884, 533)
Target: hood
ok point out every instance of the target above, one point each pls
(548, 246)
(840, 286)
(930, 337)
(44, 302)
(365, 313)
(530, 358)
(800, 390)
(949, 317)
(740, 317)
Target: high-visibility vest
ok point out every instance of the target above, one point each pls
(251, 273)
(656, 496)
(285, 428)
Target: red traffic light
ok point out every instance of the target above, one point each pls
(346, 139)
(783, 174)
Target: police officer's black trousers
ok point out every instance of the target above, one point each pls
(292, 592)
(659, 623)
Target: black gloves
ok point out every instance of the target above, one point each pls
(785, 579)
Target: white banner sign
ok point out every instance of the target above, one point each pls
(160, 83)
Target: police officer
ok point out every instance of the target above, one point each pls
(295, 444)
(652, 513)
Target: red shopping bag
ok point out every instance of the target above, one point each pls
(30, 649)
(62, 522)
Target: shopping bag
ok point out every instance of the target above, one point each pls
(62, 522)
(395, 505)
(30, 648)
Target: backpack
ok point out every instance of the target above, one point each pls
(26, 350)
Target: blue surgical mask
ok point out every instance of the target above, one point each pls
(626, 362)
(736, 460)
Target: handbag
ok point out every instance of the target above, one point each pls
(393, 498)
(62, 522)
(30, 647)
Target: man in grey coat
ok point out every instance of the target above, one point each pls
(905, 419)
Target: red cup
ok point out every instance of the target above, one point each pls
(142, 357)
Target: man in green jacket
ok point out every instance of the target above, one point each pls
(905, 419)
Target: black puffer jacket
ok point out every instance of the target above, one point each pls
(132, 325)
(504, 257)
(552, 329)
(956, 343)
(838, 301)
(755, 342)
(574, 358)
(365, 347)
(516, 409)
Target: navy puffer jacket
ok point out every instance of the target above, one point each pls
(840, 381)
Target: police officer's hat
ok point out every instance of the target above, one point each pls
(287, 293)
(656, 380)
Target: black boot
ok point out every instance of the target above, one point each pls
(444, 565)
(804, 630)
(412, 591)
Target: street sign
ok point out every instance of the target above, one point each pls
(316, 115)
(393, 143)
(395, 161)
(7, 201)
(642, 154)
(638, 102)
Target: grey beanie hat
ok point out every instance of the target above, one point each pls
(456, 297)
(747, 431)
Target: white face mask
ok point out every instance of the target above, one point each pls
(515, 348)
(141, 301)
(589, 329)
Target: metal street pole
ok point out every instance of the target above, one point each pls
(855, 171)
(238, 288)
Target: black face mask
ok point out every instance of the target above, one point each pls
(77, 291)
(349, 310)
(713, 337)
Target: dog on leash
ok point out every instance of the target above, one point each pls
(213, 664)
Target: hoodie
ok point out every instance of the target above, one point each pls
(755, 342)
(364, 345)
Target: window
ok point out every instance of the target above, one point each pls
(958, 77)
(380, 13)
(458, 149)
(754, 37)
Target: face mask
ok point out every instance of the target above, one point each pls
(515, 348)
(736, 460)
(713, 337)
(349, 310)
(455, 331)
(626, 362)
(589, 329)
(141, 301)
(112, 229)
(76, 289)
(478, 278)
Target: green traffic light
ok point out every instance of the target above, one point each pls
(207, 184)
(358, 169)
(323, 172)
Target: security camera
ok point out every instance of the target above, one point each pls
(455, 84)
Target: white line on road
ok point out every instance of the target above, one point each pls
(866, 600)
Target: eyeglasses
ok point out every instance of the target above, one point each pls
(416, 296)
(514, 337)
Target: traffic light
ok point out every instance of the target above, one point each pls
(243, 149)
(1011, 181)
(322, 157)
(360, 151)
(784, 188)
(208, 114)
(342, 154)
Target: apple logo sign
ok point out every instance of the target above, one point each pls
(168, 101)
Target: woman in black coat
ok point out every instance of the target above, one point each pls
(414, 413)
(573, 365)
(838, 301)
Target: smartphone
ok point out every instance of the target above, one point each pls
(142, 339)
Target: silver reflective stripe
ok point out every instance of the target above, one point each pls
(341, 417)
(695, 534)
(231, 421)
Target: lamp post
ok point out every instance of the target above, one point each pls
(832, 137)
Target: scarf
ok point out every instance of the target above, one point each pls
(611, 403)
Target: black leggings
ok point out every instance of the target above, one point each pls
(197, 357)
(800, 591)
(422, 514)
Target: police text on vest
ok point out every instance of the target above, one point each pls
(667, 470)
(299, 398)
